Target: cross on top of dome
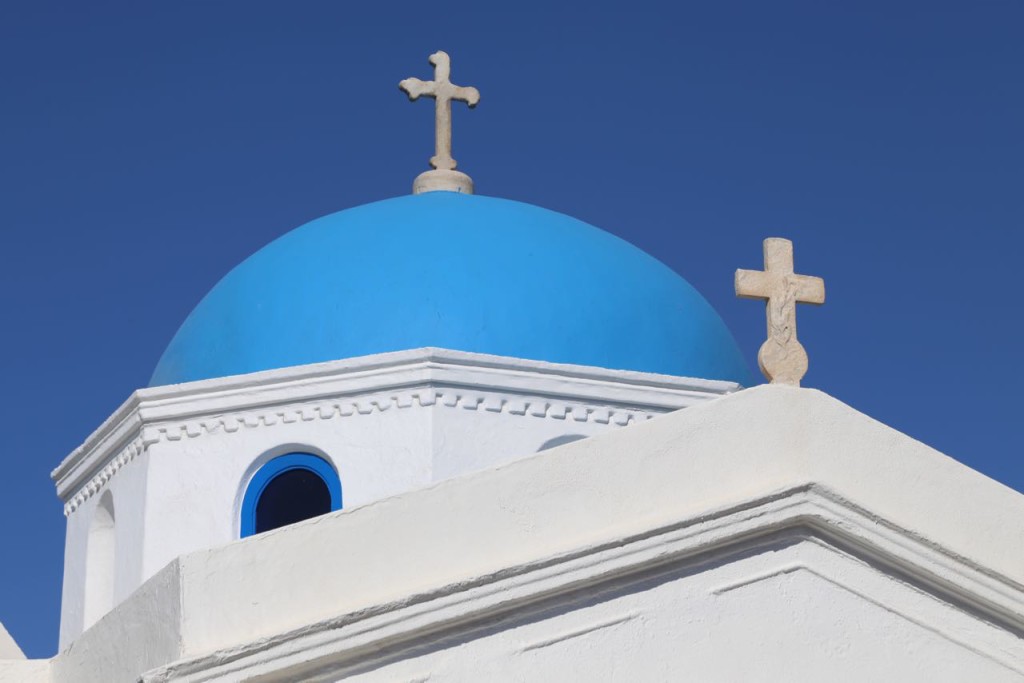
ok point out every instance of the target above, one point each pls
(444, 176)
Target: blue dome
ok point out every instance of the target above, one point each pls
(454, 271)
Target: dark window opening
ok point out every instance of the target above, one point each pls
(290, 497)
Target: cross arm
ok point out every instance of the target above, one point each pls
(809, 289)
(753, 284)
(469, 95)
(414, 87)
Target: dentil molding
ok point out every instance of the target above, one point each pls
(422, 378)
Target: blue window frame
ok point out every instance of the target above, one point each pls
(288, 489)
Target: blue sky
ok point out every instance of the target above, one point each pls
(147, 148)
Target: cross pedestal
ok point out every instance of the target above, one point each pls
(444, 176)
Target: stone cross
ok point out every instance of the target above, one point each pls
(445, 177)
(782, 358)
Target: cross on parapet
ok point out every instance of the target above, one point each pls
(444, 176)
(782, 357)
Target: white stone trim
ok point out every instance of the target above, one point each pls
(413, 398)
(363, 386)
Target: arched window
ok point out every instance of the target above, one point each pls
(99, 561)
(289, 489)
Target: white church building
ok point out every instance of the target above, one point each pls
(450, 438)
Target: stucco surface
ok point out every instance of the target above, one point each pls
(739, 448)
(25, 671)
(143, 632)
(177, 460)
(8, 648)
(774, 534)
(14, 668)
(819, 616)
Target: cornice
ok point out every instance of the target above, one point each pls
(421, 397)
(364, 386)
(113, 436)
(132, 450)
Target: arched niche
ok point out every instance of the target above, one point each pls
(288, 489)
(100, 559)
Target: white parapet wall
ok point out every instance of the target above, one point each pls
(165, 475)
(14, 668)
(8, 648)
(774, 535)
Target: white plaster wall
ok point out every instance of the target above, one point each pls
(601, 490)
(792, 609)
(196, 485)
(177, 459)
(771, 535)
(128, 493)
(139, 634)
(72, 603)
(470, 440)
(797, 613)
(185, 494)
(25, 671)
(8, 648)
